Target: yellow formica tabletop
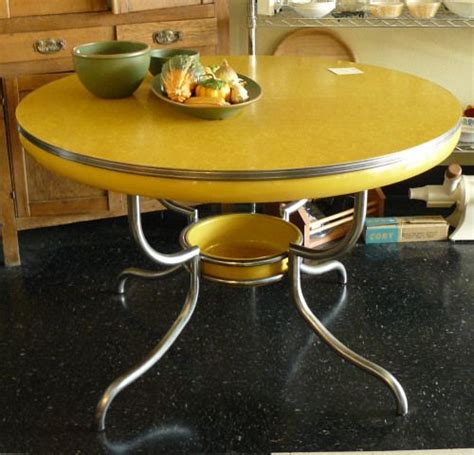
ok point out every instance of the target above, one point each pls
(312, 134)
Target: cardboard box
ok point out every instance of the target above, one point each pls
(405, 229)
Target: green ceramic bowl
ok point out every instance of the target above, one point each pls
(160, 56)
(210, 112)
(111, 69)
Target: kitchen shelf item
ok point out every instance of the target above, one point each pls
(386, 9)
(457, 189)
(315, 9)
(467, 135)
(467, 131)
(351, 8)
(423, 9)
(461, 8)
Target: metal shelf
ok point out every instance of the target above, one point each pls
(287, 17)
(465, 147)
(463, 154)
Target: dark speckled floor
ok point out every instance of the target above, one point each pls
(247, 375)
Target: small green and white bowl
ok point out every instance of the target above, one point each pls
(111, 69)
(160, 56)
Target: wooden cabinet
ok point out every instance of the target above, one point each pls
(36, 39)
(18, 8)
(39, 192)
(196, 34)
(127, 6)
(49, 45)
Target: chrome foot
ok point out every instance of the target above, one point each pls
(142, 273)
(321, 269)
(296, 267)
(156, 354)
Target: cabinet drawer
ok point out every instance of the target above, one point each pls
(37, 8)
(23, 47)
(126, 6)
(191, 33)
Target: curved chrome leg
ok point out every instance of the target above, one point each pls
(321, 269)
(145, 274)
(175, 260)
(335, 344)
(190, 213)
(287, 209)
(157, 353)
(135, 222)
(344, 245)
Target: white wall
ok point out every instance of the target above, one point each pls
(445, 56)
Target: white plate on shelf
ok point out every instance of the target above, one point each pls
(314, 10)
(462, 8)
(467, 134)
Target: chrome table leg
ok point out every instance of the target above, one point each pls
(325, 267)
(287, 209)
(325, 263)
(145, 274)
(157, 353)
(175, 261)
(190, 213)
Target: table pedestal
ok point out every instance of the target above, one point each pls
(320, 262)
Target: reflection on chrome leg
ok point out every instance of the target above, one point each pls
(335, 344)
(327, 319)
(191, 213)
(325, 267)
(152, 436)
(170, 337)
(145, 274)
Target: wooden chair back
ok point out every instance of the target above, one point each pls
(316, 43)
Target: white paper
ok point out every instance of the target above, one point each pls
(345, 71)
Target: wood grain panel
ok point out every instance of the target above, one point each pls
(127, 6)
(4, 10)
(18, 47)
(44, 185)
(78, 20)
(69, 206)
(11, 250)
(38, 7)
(34, 222)
(38, 67)
(223, 26)
(30, 82)
(16, 152)
(201, 32)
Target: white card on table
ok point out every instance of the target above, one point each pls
(344, 71)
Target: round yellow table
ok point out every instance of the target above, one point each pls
(312, 134)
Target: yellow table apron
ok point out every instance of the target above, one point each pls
(312, 134)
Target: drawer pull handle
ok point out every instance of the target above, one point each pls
(167, 36)
(49, 46)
